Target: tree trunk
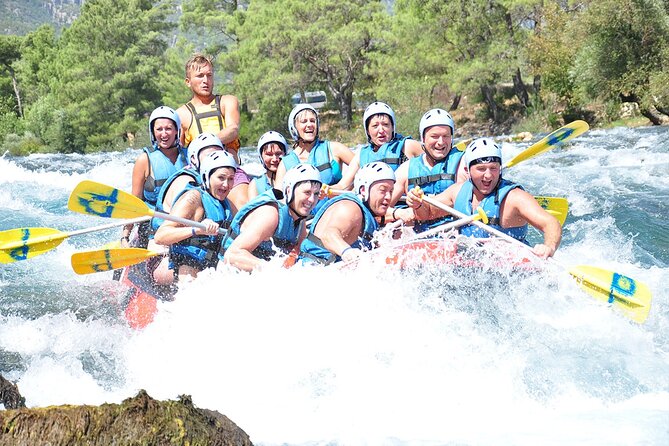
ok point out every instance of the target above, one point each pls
(456, 102)
(16, 90)
(536, 83)
(489, 98)
(520, 89)
(652, 114)
(663, 110)
(345, 104)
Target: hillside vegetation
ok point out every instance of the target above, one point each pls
(498, 65)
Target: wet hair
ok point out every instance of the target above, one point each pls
(197, 61)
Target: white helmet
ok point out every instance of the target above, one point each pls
(483, 150)
(378, 108)
(436, 116)
(293, 114)
(213, 161)
(370, 174)
(268, 137)
(164, 112)
(202, 141)
(296, 175)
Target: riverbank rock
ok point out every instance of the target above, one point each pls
(137, 421)
(10, 396)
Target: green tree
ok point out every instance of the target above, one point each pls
(10, 52)
(108, 67)
(466, 46)
(35, 69)
(625, 52)
(291, 46)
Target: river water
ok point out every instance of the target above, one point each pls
(374, 355)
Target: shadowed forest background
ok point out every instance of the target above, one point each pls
(87, 80)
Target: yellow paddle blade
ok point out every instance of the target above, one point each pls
(462, 145)
(630, 296)
(87, 262)
(99, 199)
(558, 207)
(25, 243)
(110, 245)
(569, 131)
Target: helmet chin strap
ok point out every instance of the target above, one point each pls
(434, 160)
(299, 216)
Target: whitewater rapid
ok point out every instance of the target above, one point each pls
(374, 354)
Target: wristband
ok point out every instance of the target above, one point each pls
(192, 231)
(345, 249)
(394, 210)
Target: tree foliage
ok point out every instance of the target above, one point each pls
(290, 46)
(107, 69)
(93, 86)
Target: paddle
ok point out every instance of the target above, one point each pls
(87, 262)
(558, 207)
(630, 296)
(569, 131)
(90, 197)
(25, 243)
(480, 215)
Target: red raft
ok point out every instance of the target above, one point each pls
(438, 251)
(140, 302)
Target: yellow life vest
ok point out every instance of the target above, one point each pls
(208, 118)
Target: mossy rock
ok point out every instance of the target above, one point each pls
(137, 421)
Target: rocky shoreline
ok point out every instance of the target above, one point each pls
(139, 420)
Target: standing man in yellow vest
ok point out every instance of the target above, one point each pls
(213, 113)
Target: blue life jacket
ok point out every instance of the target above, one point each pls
(202, 251)
(160, 169)
(434, 181)
(437, 179)
(262, 184)
(312, 249)
(391, 153)
(287, 231)
(195, 180)
(491, 206)
(319, 157)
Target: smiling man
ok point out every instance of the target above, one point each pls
(345, 225)
(439, 166)
(509, 208)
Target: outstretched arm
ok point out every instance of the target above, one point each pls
(526, 207)
(188, 206)
(344, 155)
(257, 227)
(340, 227)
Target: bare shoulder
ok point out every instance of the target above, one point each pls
(402, 172)
(142, 159)
(263, 217)
(184, 114)
(412, 148)
(229, 100)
